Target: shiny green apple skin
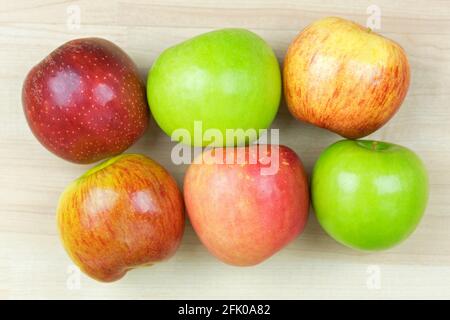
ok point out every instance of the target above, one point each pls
(369, 195)
(228, 79)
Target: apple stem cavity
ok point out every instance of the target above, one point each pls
(373, 145)
(103, 165)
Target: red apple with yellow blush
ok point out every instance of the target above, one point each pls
(85, 101)
(124, 213)
(345, 78)
(247, 208)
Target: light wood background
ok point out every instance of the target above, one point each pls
(32, 261)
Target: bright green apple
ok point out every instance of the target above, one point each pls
(225, 79)
(369, 195)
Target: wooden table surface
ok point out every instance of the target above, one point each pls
(33, 263)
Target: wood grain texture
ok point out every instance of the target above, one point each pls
(32, 261)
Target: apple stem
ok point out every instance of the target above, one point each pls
(374, 145)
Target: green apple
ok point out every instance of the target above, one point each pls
(225, 79)
(369, 195)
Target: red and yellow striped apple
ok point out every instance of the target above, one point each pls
(123, 213)
(85, 101)
(343, 77)
(242, 214)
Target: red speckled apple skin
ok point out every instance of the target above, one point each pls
(85, 101)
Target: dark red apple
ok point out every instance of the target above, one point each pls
(85, 101)
(246, 209)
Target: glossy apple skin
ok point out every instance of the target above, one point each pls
(227, 79)
(341, 76)
(85, 101)
(369, 195)
(241, 216)
(123, 213)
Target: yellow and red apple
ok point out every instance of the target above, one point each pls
(343, 77)
(123, 213)
(247, 203)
